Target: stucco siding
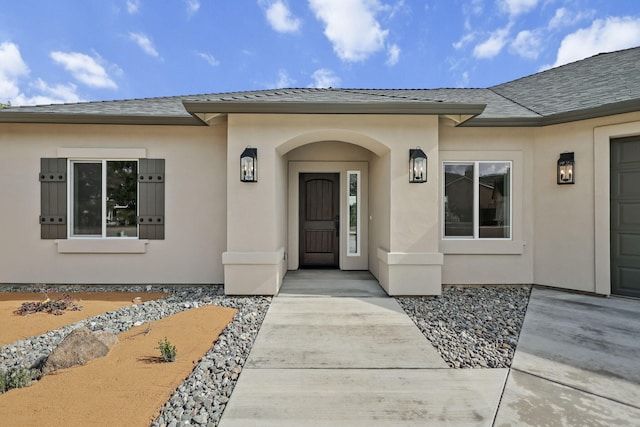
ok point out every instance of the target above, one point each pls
(566, 255)
(195, 220)
(483, 261)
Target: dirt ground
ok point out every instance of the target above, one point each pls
(129, 386)
(15, 327)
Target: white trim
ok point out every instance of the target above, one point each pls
(101, 246)
(103, 208)
(476, 201)
(103, 153)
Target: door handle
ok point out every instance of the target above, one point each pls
(337, 225)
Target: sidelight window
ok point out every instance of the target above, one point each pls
(353, 203)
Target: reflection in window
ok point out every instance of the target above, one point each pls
(87, 199)
(477, 200)
(104, 199)
(458, 200)
(353, 182)
(495, 200)
(122, 190)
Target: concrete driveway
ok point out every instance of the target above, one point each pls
(577, 363)
(342, 353)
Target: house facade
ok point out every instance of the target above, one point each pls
(155, 190)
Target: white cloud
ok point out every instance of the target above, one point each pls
(133, 6)
(517, 7)
(564, 18)
(193, 6)
(527, 44)
(351, 27)
(84, 69)
(284, 80)
(463, 81)
(493, 45)
(604, 35)
(394, 55)
(280, 18)
(209, 58)
(466, 39)
(323, 78)
(12, 68)
(145, 43)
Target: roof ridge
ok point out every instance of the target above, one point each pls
(386, 95)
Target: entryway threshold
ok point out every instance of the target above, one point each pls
(330, 283)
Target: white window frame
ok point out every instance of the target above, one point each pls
(476, 201)
(70, 200)
(358, 212)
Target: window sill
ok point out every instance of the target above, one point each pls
(482, 247)
(101, 246)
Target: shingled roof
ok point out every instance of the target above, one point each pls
(602, 85)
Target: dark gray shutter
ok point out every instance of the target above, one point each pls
(53, 198)
(151, 198)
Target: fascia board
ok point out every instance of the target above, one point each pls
(11, 117)
(400, 108)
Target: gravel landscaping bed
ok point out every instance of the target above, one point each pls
(201, 399)
(472, 327)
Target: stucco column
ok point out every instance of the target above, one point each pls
(254, 260)
(413, 263)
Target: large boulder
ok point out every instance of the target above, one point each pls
(77, 348)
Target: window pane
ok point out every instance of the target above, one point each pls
(458, 200)
(495, 200)
(122, 190)
(87, 199)
(353, 213)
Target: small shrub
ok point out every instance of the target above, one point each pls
(167, 350)
(16, 378)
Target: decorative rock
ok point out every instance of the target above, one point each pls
(78, 348)
(107, 338)
(137, 300)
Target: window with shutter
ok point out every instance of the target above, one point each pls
(107, 198)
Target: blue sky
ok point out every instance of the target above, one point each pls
(91, 50)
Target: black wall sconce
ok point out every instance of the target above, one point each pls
(249, 165)
(566, 169)
(417, 166)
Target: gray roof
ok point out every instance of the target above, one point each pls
(605, 79)
(602, 85)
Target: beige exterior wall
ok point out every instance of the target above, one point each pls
(252, 212)
(483, 261)
(572, 221)
(219, 229)
(195, 218)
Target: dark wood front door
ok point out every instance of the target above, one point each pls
(625, 216)
(319, 220)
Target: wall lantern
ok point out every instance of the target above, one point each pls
(249, 165)
(566, 169)
(417, 166)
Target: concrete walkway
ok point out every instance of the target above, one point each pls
(334, 350)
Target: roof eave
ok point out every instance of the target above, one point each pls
(622, 107)
(397, 108)
(107, 119)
